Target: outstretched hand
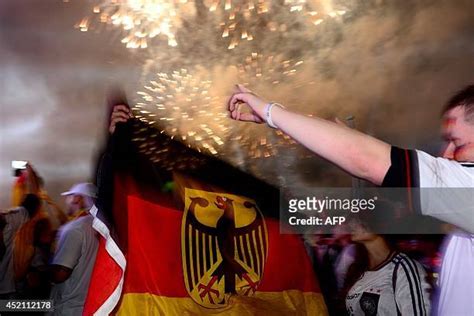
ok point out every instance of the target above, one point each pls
(120, 114)
(242, 98)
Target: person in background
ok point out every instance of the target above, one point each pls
(345, 258)
(76, 249)
(382, 280)
(27, 181)
(31, 254)
(3, 249)
(14, 220)
(79, 199)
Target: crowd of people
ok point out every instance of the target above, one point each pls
(48, 253)
(378, 162)
(368, 272)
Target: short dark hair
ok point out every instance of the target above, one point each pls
(465, 99)
(31, 203)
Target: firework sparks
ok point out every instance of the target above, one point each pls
(141, 20)
(258, 70)
(183, 104)
(171, 156)
(316, 11)
(242, 19)
(271, 69)
(238, 18)
(183, 107)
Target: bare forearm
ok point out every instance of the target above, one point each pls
(359, 154)
(59, 274)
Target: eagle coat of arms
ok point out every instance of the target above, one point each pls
(224, 246)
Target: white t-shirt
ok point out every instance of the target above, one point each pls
(456, 292)
(446, 192)
(397, 287)
(76, 249)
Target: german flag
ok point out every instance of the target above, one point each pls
(210, 246)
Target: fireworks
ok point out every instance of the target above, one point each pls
(182, 105)
(162, 151)
(315, 11)
(185, 106)
(141, 20)
(243, 19)
(256, 71)
(257, 68)
(239, 16)
(240, 20)
(185, 88)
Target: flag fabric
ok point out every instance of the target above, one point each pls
(19, 190)
(205, 250)
(107, 279)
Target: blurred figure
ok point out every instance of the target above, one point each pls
(326, 252)
(345, 258)
(14, 220)
(27, 181)
(75, 253)
(19, 187)
(80, 199)
(31, 254)
(3, 223)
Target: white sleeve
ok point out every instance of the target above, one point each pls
(69, 248)
(411, 288)
(446, 190)
(437, 187)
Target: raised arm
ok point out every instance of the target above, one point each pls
(359, 154)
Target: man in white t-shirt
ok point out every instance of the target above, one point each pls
(453, 205)
(450, 178)
(449, 198)
(74, 258)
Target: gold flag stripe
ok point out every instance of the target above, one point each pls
(288, 302)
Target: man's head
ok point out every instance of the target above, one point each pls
(458, 126)
(81, 196)
(32, 204)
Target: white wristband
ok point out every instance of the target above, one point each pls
(268, 113)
